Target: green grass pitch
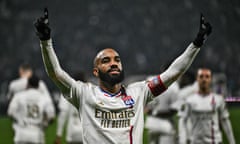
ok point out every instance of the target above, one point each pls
(6, 132)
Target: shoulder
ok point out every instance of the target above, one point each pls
(17, 82)
(192, 97)
(138, 84)
(219, 97)
(85, 84)
(173, 89)
(18, 96)
(41, 82)
(83, 87)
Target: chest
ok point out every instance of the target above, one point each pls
(204, 104)
(118, 101)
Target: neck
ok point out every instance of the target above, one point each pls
(110, 88)
(204, 91)
(24, 76)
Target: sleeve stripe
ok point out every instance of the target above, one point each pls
(156, 86)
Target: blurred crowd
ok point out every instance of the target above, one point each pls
(142, 31)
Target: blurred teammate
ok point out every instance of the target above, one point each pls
(179, 105)
(70, 114)
(74, 128)
(206, 111)
(31, 112)
(160, 121)
(20, 84)
(112, 113)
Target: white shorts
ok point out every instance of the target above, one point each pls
(157, 125)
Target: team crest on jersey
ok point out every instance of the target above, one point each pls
(128, 100)
(155, 81)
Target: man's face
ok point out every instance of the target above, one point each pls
(108, 67)
(204, 78)
(25, 72)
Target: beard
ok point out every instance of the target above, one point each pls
(111, 79)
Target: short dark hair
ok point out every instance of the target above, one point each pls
(25, 66)
(33, 81)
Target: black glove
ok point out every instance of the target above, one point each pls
(43, 30)
(204, 31)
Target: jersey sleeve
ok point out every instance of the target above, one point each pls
(173, 95)
(62, 117)
(49, 109)
(43, 88)
(76, 93)
(156, 86)
(14, 108)
(223, 112)
(62, 79)
(63, 104)
(10, 92)
(179, 65)
(183, 125)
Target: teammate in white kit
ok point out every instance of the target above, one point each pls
(20, 84)
(70, 114)
(179, 105)
(206, 111)
(112, 113)
(31, 112)
(74, 127)
(159, 121)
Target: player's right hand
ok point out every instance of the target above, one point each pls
(43, 30)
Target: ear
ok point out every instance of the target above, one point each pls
(95, 72)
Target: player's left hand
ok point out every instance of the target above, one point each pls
(43, 30)
(205, 30)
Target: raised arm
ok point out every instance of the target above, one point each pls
(160, 83)
(51, 63)
(182, 63)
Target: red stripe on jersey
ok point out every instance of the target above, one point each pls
(130, 135)
(156, 86)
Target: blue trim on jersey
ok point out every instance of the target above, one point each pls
(109, 94)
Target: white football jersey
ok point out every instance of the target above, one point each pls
(20, 84)
(204, 112)
(74, 126)
(30, 108)
(108, 119)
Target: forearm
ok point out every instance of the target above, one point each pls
(53, 68)
(227, 127)
(180, 65)
(60, 122)
(183, 131)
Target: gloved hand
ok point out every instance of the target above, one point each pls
(43, 30)
(204, 31)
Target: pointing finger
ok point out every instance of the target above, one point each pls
(45, 13)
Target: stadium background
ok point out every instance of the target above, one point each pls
(147, 34)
